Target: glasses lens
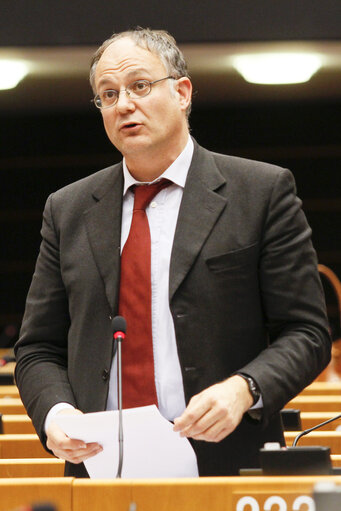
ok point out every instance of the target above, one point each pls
(107, 98)
(139, 89)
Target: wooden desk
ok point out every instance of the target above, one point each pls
(31, 467)
(7, 374)
(310, 419)
(16, 424)
(319, 403)
(213, 494)
(11, 406)
(330, 439)
(336, 460)
(25, 491)
(22, 446)
(9, 391)
(322, 387)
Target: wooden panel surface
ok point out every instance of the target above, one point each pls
(25, 491)
(330, 439)
(310, 419)
(9, 391)
(322, 387)
(31, 467)
(10, 406)
(22, 446)
(201, 494)
(17, 424)
(103, 495)
(320, 403)
(336, 460)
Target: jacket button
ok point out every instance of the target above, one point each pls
(181, 315)
(105, 375)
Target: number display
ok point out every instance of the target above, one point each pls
(276, 503)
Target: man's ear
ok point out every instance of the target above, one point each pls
(184, 89)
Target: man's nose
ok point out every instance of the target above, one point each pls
(124, 102)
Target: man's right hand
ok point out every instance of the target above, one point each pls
(72, 450)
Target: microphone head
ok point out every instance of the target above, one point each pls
(43, 507)
(119, 324)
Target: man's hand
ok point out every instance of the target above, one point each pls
(216, 411)
(67, 448)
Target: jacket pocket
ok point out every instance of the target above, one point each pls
(231, 261)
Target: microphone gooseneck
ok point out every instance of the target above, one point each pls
(119, 326)
(306, 431)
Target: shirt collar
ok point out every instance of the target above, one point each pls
(176, 172)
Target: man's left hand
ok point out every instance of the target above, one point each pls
(216, 411)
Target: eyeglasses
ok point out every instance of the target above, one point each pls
(135, 90)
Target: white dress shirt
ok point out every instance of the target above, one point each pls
(162, 215)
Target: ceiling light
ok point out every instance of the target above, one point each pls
(11, 73)
(277, 68)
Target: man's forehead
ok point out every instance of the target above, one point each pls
(126, 47)
(124, 55)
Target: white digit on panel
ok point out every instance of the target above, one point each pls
(247, 501)
(303, 499)
(275, 499)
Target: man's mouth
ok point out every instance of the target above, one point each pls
(130, 125)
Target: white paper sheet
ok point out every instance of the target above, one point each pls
(151, 448)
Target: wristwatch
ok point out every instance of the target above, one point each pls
(253, 387)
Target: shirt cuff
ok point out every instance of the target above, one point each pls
(53, 412)
(258, 404)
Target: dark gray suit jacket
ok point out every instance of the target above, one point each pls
(244, 293)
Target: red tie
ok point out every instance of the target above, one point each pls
(138, 382)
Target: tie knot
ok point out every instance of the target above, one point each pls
(145, 193)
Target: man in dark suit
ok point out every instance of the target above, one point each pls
(238, 318)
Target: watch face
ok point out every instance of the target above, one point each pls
(253, 389)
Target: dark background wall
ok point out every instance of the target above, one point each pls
(42, 151)
(47, 22)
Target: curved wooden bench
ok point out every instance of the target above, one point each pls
(22, 446)
(320, 403)
(330, 439)
(11, 406)
(31, 467)
(16, 424)
(23, 491)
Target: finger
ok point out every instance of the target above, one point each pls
(206, 422)
(57, 440)
(77, 456)
(213, 435)
(197, 407)
(57, 436)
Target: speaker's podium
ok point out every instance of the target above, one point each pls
(250, 493)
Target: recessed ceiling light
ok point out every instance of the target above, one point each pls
(12, 72)
(277, 68)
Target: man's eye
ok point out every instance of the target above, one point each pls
(139, 86)
(109, 94)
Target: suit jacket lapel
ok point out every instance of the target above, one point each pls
(200, 208)
(103, 224)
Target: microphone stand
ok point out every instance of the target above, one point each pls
(120, 421)
(119, 326)
(306, 431)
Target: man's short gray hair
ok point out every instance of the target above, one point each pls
(159, 42)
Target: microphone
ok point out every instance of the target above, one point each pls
(318, 426)
(6, 359)
(295, 460)
(119, 326)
